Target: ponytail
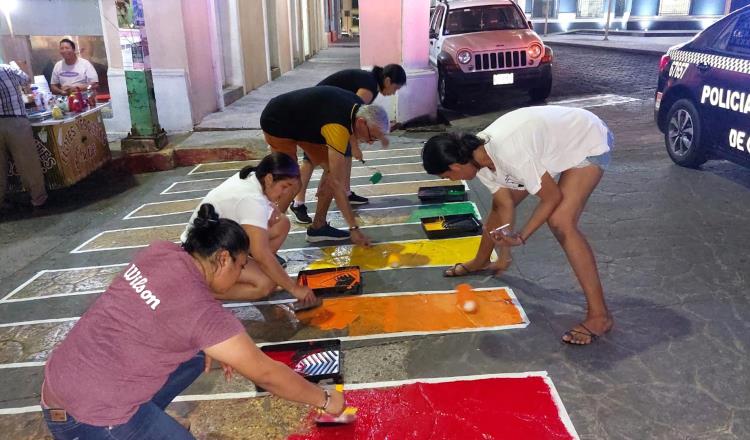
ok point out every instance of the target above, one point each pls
(445, 149)
(394, 72)
(279, 165)
(209, 234)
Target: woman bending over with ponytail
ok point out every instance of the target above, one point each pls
(251, 198)
(152, 333)
(365, 84)
(520, 154)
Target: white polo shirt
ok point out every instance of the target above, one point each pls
(80, 73)
(241, 200)
(526, 143)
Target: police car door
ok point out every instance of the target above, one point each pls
(728, 91)
(436, 40)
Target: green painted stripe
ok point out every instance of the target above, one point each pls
(444, 209)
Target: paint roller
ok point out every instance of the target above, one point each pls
(349, 415)
(466, 299)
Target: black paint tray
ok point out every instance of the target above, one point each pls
(448, 226)
(345, 280)
(316, 361)
(442, 194)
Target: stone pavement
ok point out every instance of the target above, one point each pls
(671, 245)
(620, 43)
(244, 113)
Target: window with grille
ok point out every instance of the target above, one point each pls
(739, 38)
(674, 7)
(590, 8)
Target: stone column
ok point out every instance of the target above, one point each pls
(397, 31)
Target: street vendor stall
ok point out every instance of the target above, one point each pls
(69, 149)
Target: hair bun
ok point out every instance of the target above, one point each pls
(207, 216)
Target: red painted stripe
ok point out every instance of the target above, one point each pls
(498, 408)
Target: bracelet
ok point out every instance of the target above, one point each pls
(354, 228)
(328, 400)
(520, 237)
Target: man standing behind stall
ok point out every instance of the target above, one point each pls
(16, 137)
(72, 73)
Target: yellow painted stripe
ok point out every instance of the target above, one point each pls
(415, 253)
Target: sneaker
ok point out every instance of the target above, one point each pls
(358, 200)
(326, 233)
(281, 261)
(300, 214)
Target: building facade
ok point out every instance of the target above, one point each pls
(203, 54)
(632, 15)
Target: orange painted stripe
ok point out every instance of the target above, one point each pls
(421, 312)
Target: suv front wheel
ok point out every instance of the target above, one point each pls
(445, 92)
(542, 92)
(683, 135)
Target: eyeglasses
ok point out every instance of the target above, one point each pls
(370, 139)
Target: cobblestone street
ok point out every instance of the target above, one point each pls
(671, 244)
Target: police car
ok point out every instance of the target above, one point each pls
(703, 96)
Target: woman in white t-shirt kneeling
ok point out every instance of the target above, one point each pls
(519, 154)
(251, 198)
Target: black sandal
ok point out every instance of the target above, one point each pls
(454, 271)
(588, 333)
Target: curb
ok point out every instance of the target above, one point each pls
(657, 52)
(172, 157)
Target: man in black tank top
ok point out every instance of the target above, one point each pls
(324, 121)
(366, 85)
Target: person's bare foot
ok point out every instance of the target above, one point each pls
(589, 330)
(463, 269)
(499, 266)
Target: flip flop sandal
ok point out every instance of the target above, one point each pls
(454, 271)
(588, 333)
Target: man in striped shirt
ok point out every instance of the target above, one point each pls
(16, 137)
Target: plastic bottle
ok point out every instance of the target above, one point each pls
(90, 97)
(81, 102)
(38, 101)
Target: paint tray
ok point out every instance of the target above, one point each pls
(448, 226)
(345, 280)
(316, 361)
(442, 194)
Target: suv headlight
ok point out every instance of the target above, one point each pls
(535, 50)
(464, 57)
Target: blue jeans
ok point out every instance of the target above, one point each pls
(149, 422)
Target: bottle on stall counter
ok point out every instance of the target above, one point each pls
(90, 97)
(81, 101)
(38, 99)
(74, 104)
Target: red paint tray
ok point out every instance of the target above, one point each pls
(442, 194)
(316, 361)
(345, 280)
(448, 226)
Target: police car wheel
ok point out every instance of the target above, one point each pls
(683, 135)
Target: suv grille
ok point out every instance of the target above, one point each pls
(501, 60)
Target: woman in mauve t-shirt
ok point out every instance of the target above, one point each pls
(152, 333)
(520, 154)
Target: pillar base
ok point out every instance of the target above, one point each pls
(417, 100)
(144, 144)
